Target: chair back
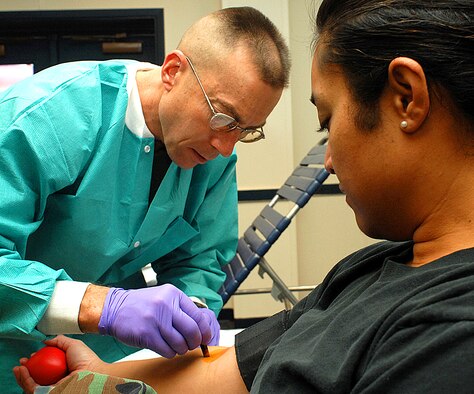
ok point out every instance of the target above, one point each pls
(305, 180)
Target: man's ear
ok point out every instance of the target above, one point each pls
(170, 68)
(411, 98)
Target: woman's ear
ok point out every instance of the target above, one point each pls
(170, 68)
(411, 98)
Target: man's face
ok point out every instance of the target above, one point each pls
(371, 166)
(235, 90)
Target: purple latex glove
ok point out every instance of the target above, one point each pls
(160, 318)
(215, 327)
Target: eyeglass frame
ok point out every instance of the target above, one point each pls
(232, 124)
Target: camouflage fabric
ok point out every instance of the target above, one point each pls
(85, 382)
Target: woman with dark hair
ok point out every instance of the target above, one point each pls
(393, 82)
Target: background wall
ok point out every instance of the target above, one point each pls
(325, 230)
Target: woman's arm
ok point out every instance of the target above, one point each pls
(190, 373)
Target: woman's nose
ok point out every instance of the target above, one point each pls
(328, 161)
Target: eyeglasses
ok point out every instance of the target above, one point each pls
(223, 122)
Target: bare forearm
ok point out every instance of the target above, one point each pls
(91, 308)
(190, 373)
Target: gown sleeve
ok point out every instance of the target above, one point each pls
(40, 154)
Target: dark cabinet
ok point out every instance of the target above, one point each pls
(18, 50)
(45, 38)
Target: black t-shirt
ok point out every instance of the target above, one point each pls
(375, 325)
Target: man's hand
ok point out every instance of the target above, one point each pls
(215, 327)
(161, 318)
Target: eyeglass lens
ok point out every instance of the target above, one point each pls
(251, 135)
(222, 122)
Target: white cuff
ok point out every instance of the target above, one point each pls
(62, 314)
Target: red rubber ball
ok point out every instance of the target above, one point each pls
(47, 366)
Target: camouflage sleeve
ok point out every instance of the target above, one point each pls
(91, 382)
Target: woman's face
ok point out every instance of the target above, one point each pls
(370, 165)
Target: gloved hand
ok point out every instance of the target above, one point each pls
(215, 327)
(161, 318)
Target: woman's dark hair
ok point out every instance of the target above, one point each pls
(363, 36)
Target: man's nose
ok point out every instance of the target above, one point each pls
(224, 142)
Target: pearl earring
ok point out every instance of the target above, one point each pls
(403, 124)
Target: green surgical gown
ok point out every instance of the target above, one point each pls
(74, 194)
